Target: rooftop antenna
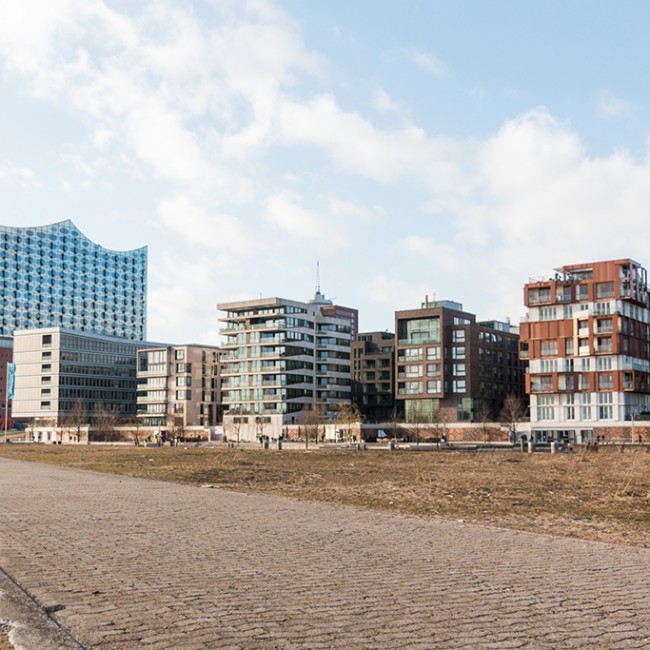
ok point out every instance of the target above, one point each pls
(317, 276)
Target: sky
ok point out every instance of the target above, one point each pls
(444, 148)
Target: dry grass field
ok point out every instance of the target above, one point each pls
(598, 496)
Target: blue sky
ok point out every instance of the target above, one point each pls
(446, 148)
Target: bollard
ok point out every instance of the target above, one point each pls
(391, 445)
(553, 449)
(531, 447)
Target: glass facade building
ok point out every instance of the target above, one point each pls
(54, 276)
(60, 372)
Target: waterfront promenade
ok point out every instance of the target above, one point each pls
(131, 563)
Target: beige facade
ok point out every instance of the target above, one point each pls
(60, 372)
(178, 386)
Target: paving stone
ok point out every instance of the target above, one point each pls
(138, 563)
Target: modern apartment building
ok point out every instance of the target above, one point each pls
(587, 342)
(451, 368)
(283, 360)
(179, 386)
(373, 366)
(62, 372)
(53, 276)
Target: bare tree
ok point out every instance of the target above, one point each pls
(76, 418)
(236, 422)
(175, 427)
(135, 424)
(485, 416)
(348, 415)
(105, 419)
(395, 421)
(513, 412)
(312, 420)
(413, 421)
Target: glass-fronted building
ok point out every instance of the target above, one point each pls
(283, 361)
(53, 276)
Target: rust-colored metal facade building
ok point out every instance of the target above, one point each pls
(586, 340)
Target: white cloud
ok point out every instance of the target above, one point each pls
(10, 172)
(384, 103)
(426, 61)
(359, 147)
(396, 293)
(284, 210)
(611, 107)
(210, 228)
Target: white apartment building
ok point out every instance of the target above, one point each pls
(282, 361)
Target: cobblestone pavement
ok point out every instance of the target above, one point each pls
(131, 563)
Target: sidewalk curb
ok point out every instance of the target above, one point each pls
(30, 626)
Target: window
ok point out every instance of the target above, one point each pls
(605, 290)
(47, 340)
(604, 343)
(605, 382)
(568, 346)
(433, 369)
(549, 365)
(45, 406)
(410, 354)
(604, 326)
(46, 367)
(549, 348)
(603, 363)
(605, 408)
(458, 336)
(183, 394)
(542, 294)
(419, 331)
(545, 407)
(583, 292)
(433, 353)
(458, 386)
(183, 367)
(547, 313)
(183, 381)
(409, 388)
(458, 352)
(410, 371)
(433, 386)
(459, 370)
(179, 355)
(46, 356)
